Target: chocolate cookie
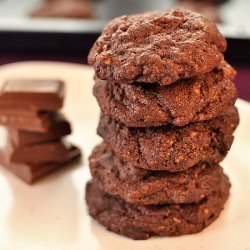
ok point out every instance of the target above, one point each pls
(160, 47)
(120, 178)
(171, 148)
(142, 222)
(64, 9)
(206, 8)
(145, 105)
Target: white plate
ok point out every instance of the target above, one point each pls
(52, 213)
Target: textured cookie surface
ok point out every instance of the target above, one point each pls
(191, 100)
(157, 47)
(138, 186)
(168, 147)
(142, 222)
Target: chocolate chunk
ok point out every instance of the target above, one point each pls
(32, 172)
(26, 120)
(32, 95)
(56, 151)
(59, 127)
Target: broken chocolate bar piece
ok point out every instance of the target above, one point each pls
(55, 151)
(59, 128)
(29, 121)
(32, 172)
(45, 95)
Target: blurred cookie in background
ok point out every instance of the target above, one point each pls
(81, 9)
(205, 8)
(206, 1)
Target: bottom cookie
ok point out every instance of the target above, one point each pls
(142, 222)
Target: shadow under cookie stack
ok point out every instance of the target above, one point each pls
(167, 100)
(36, 128)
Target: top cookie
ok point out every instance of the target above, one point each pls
(157, 47)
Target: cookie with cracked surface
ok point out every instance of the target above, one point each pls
(168, 147)
(142, 222)
(138, 186)
(160, 47)
(149, 105)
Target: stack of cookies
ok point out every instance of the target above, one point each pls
(29, 110)
(167, 101)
